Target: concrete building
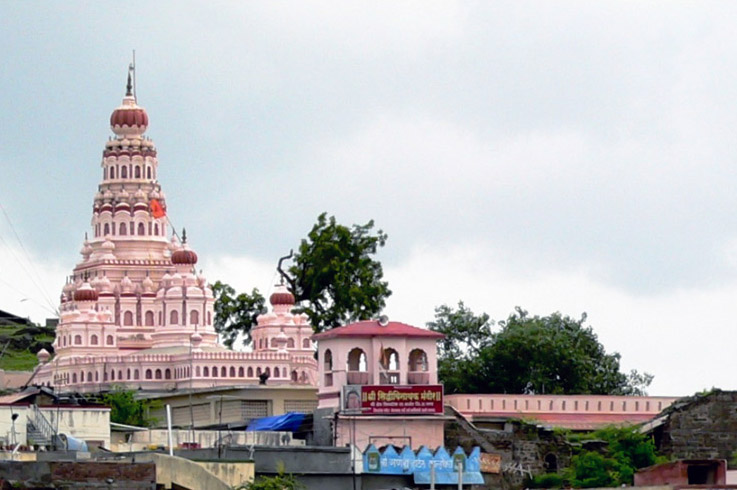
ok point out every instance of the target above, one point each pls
(136, 313)
(379, 383)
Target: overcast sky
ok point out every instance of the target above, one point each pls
(558, 156)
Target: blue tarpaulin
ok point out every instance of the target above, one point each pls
(289, 422)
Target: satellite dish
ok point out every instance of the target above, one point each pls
(383, 320)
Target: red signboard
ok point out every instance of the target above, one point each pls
(393, 400)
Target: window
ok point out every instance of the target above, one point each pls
(389, 359)
(205, 371)
(209, 318)
(149, 318)
(232, 372)
(328, 361)
(356, 360)
(167, 374)
(194, 317)
(305, 343)
(128, 374)
(109, 340)
(148, 374)
(107, 229)
(223, 372)
(174, 317)
(135, 374)
(156, 229)
(122, 229)
(290, 343)
(74, 377)
(418, 360)
(214, 372)
(124, 172)
(250, 372)
(158, 374)
(77, 340)
(112, 172)
(240, 372)
(148, 172)
(141, 229)
(128, 318)
(93, 339)
(112, 375)
(138, 172)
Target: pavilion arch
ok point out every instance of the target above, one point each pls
(418, 360)
(356, 360)
(389, 359)
(328, 360)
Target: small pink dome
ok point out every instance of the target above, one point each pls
(184, 256)
(282, 296)
(129, 116)
(85, 293)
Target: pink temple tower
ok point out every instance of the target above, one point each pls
(135, 312)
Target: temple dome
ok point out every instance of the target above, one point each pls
(129, 119)
(184, 256)
(85, 293)
(281, 296)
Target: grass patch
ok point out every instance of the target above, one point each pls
(18, 361)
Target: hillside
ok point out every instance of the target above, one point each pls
(19, 344)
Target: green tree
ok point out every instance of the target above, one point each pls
(281, 481)
(528, 354)
(466, 337)
(125, 409)
(334, 275)
(626, 451)
(235, 314)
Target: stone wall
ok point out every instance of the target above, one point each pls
(700, 427)
(523, 448)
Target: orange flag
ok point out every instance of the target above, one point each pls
(157, 210)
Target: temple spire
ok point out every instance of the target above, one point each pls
(129, 86)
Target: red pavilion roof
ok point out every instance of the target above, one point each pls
(372, 328)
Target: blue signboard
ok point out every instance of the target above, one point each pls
(420, 464)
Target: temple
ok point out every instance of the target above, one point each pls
(136, 313)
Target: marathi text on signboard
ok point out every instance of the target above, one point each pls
(491, 463)
(393, 400)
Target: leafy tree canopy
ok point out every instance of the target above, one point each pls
(554, 354)
(125, 409)
(235, 314)
(335, 276)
